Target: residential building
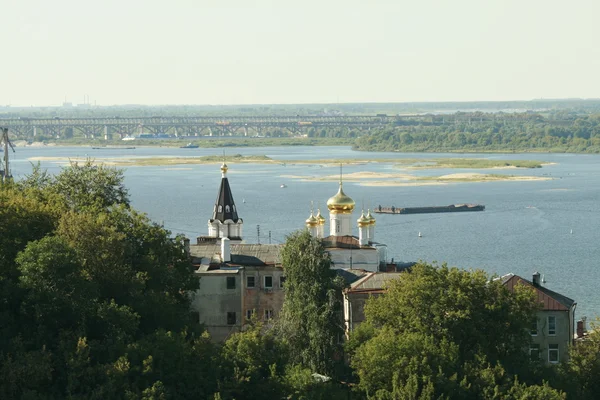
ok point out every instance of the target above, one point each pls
(552, 330)
(237, 281)
(362, 286)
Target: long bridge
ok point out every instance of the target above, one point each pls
(185, 126)
(90, 127)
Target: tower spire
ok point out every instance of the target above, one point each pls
(225, 221)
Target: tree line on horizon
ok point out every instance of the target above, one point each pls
(95, 304)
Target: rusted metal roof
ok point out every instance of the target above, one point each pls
(551, 301)
(374, 282)
(241, 254)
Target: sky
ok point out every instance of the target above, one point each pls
(311, 51)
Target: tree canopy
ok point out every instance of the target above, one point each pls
(441, 331)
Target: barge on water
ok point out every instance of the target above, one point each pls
(426, 210)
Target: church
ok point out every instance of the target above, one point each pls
(239, 281)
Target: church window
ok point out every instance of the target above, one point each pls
(337, 226)
(220, 208)
(227, 209)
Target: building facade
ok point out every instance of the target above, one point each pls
(552, 330)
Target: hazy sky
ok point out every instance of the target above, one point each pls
(309, 51)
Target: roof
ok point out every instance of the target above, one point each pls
(551, 300)
(344, 242)
(241, 254)
(225, 206)
(373, 282)
(351, 275)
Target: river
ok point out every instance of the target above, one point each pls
(547, 226)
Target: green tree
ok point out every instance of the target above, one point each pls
(310, 322)
(582, 373)
(440, 331)
(253, 365)
(89, 185)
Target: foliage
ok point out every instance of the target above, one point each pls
(453, 331)
(582, 373)
(478, 132)
(87, 286)
(310, 322)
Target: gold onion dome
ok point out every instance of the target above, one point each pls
(224, 168)
(320, 218)
(340, 203)
(363, 220)
(370, 218)
(312, 221)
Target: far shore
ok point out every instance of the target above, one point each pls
(387, 179)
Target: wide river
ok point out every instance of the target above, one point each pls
(550, 226)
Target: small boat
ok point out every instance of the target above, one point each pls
(283, 185)
(190, 146)
(420, 234)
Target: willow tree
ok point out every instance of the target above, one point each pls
(310, 322)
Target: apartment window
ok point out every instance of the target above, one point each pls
(268, 314)
(231, 318)
(534, 351)
(268, 282)
(230, 282)
(249, 314)
(281, 281)
(553, 353)
(534, 327)
(551, 325)
(250, 281)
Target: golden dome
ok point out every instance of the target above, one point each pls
(320, 218)
(312, 221)
(370, 218)
(340, 203)
(224, 168)
(363, 221)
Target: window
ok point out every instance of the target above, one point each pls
(337, 226)
(268, 314)
(268, 282)
(534, 351)
(551, 325)
(553, 353)
(220, 208)
(231, 318)
(230, 282)
(281, 281)
(534, 327)
(226, 208)
(249, 314)
(250, 281)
